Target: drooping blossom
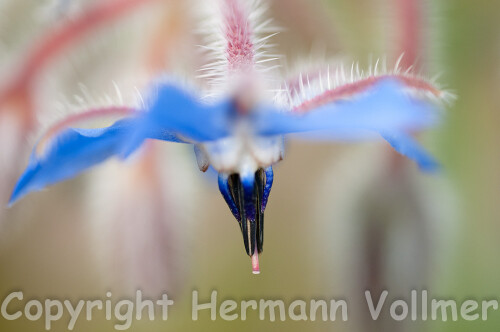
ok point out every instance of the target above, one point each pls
(238, 122)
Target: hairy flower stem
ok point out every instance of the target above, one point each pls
(351, 89)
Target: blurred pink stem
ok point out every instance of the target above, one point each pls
(54, 42)
(409, 24)
(409, 43)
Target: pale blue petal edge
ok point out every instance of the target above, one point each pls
(407, 146)
(74, 151)
(384, 108)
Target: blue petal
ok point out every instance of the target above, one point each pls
(226, 193)
(384, 108)
(178, 112)
(75, 150)
(267, 188)
(410, 148)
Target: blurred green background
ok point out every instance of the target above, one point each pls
(341, 218)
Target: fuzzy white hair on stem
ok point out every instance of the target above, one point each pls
(236, 35)
(340, 82)
(87, 109)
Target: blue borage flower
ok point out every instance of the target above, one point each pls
(239, 134)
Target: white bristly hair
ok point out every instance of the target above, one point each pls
(313, 83)
(260, 30)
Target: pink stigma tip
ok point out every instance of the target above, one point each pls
(255, 263)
